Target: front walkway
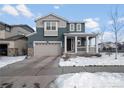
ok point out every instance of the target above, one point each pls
(40, 72)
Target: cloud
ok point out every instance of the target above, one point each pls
(56, 6)
(17, 10)
(121, 19)
(91, 23)
(96, 19)
(108, 36)
(24, 10)
(10, 10)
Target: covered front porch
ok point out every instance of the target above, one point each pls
(80, 43)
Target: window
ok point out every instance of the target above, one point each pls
(72, 27)
(7, 28)
(78, 27)
(51, 26)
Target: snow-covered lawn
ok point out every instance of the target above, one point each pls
(87, 61)
(90, 80)
(9, 60)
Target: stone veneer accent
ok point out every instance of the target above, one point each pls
(12, 52)
(30, 52)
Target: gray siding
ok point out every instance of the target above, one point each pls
(39, 36)
(82, 27)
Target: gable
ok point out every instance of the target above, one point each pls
(61, 22)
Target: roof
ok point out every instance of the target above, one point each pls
(4, 23)
(76, 22)
(13, 38)
(81, 34)
(24, 26)
(52, 15)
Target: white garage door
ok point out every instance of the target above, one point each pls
(47, 48)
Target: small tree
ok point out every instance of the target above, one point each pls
(116, 26)
(101, 34)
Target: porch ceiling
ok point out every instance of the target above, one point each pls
(80, 34)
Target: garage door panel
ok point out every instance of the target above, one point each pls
(47, 49)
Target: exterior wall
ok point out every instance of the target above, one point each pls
(40, 22)
(14, 31)
(9, 43)
(12, 51)
(50, 33)
(30, 52)
(21, 45)
(4, 34)
(16, 47)
(40, 37)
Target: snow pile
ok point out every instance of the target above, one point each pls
(9, 60)
(87, 61)
(90, 80)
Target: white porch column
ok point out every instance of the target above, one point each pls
(65, 45)
(75, 44)
(96, 43)
(87, 44)
(90, 45)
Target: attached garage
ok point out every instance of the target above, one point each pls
(3, 50)
(50, 48)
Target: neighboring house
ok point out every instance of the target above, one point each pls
(13, 39)
(55, 35)
(106, 46)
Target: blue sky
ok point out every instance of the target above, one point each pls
(96, 15)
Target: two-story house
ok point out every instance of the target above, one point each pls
(55, 36)
(13, 39)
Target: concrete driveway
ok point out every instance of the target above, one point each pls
(41, 71)
(28, 73)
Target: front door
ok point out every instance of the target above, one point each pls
(68, 44)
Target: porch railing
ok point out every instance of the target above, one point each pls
(83, 49)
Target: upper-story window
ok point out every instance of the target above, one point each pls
(51, 26)
(78, 27)
(72, 27)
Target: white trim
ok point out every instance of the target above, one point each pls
(31, 34)
(65, 44)
(46, 43)
(87, 44)
(75, 44)
(78, 25)
(72, 27)
(96, 43)
(59, 17)
(51, 24)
